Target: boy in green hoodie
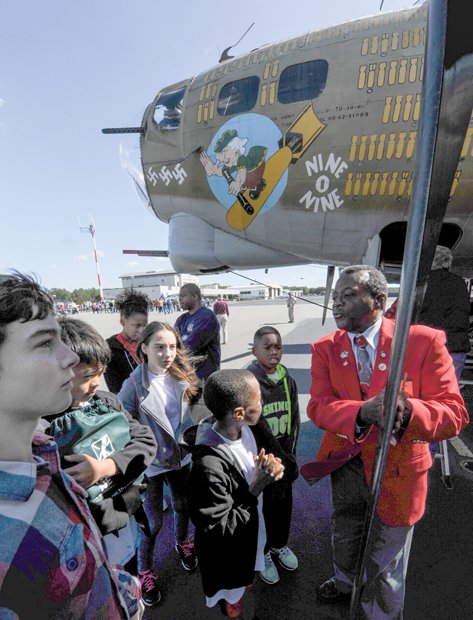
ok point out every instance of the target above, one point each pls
(281, 413)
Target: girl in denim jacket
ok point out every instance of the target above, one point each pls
(157, 393)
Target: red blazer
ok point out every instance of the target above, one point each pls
(438, 412)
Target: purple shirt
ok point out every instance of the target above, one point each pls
(200, 333)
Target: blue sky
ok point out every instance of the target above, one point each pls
(69, 68)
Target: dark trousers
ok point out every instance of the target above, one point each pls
(383, 590)
(350, 496)
(277, 511)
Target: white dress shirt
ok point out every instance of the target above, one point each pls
(372, 338)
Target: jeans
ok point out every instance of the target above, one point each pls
(153, 503)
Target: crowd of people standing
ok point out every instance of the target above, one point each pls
(223, 441)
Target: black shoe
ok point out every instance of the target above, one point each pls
(187, 554)
(150, 593)
(328, 592)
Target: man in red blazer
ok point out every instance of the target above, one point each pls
(430, 408)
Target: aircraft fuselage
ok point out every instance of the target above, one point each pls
(301, 151)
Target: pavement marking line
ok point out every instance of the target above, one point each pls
(460, 447)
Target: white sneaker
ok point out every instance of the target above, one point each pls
(286, 558)
(270, 573)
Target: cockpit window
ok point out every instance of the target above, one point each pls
(167, 113)
(302, 82)
(237, 97)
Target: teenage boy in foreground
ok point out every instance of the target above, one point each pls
(51, 555)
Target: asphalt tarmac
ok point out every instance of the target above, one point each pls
(440, 576)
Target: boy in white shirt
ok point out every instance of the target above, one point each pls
(227, 478)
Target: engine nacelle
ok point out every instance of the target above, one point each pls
(196, 246)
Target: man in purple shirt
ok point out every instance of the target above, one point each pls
(200, 333)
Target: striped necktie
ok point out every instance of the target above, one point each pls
(363, 365)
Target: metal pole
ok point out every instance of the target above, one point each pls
(91, 229)
(433, 75)
(92, 232)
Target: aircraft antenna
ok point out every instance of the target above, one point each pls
(225, 55)
(123, 130)
(91, 229)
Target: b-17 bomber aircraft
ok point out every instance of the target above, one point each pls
(301, 151)
(350, 144)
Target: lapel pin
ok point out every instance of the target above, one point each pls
(382, 366)
(345, 363)
(382, 354)
(344, 354)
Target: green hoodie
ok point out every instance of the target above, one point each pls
(280, 405)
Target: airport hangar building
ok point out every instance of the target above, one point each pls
(162, 284)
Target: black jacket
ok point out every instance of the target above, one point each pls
(223, 510)
(120, 367)
(446, 306)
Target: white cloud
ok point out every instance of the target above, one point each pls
(2, 102)
(133, 263)
(53, 266)
(84, 257)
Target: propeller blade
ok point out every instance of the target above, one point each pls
(161, 253)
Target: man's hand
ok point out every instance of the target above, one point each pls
(88, 470)
(403, 411)
(371, 411)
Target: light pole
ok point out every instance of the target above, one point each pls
(91, 229)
